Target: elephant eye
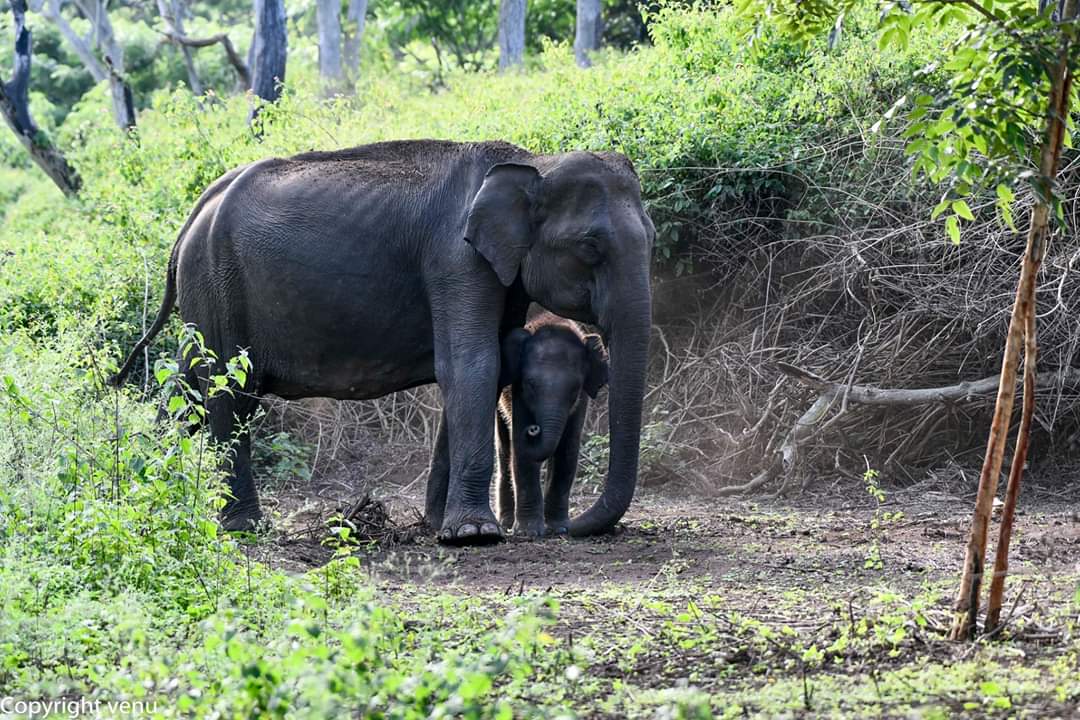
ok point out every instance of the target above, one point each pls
(588, 249)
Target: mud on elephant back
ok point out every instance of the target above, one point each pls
(354, 273)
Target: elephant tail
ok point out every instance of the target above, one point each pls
(167, 304)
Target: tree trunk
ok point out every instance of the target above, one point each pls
(52, 10)
(102, 37)
(122, 100)
(172, 12)
(328, 17)
(357, 18)
(271, 49)
(586, 37)
(1021, 322)
(15, 106)
(511, 33)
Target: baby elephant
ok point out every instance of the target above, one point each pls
(550, 369)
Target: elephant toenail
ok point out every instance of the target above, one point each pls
(467, 530)
(490, 529)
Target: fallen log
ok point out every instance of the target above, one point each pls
(810, 422)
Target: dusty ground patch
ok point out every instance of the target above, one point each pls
(817, 607)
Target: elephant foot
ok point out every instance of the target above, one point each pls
(557, 525)
(506, 521)
(245, 518)
(474, 531)
(530, 529)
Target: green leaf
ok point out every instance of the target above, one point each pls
(1005, 193)
(939, 208)
(961, 208)
(952, 227)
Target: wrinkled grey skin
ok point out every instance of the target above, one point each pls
(355, 273)
(550, 369)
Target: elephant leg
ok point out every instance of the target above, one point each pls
(469, 394)
(504, 482)
(562, 469)
(438, 478)
(229, 417)
(528, 498)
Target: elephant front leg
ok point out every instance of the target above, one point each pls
(528, 498)
(561, 473)
(469, 394)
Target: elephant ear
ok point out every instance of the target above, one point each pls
(596, 376)
(500, 220)
(512, 346)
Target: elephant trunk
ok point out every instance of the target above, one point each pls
(628, 347)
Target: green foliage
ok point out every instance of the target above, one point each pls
(593, 463)
(879, 521)
(116, 582)
(983, 128)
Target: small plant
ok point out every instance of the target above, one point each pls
(881, 519)
(595, 451)
(280, 457)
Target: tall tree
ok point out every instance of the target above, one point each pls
(102, 37)
(328, 18)
(15, 107)
(511, 33)
(587, 34)
(270, 49)
(172, 13)
(356, 18)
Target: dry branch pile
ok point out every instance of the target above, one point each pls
(849, 287)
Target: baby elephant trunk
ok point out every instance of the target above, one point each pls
(541, 436)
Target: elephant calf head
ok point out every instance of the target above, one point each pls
(548, 369)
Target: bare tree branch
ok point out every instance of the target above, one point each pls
(243, 74)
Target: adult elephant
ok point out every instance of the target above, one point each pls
(355, 273)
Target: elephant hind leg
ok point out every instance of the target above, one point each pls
(229, 419)
(438, 478)
(504, 480)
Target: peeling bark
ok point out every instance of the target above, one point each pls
(270, 50)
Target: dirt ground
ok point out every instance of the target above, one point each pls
(812, 540)
(814, 565)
